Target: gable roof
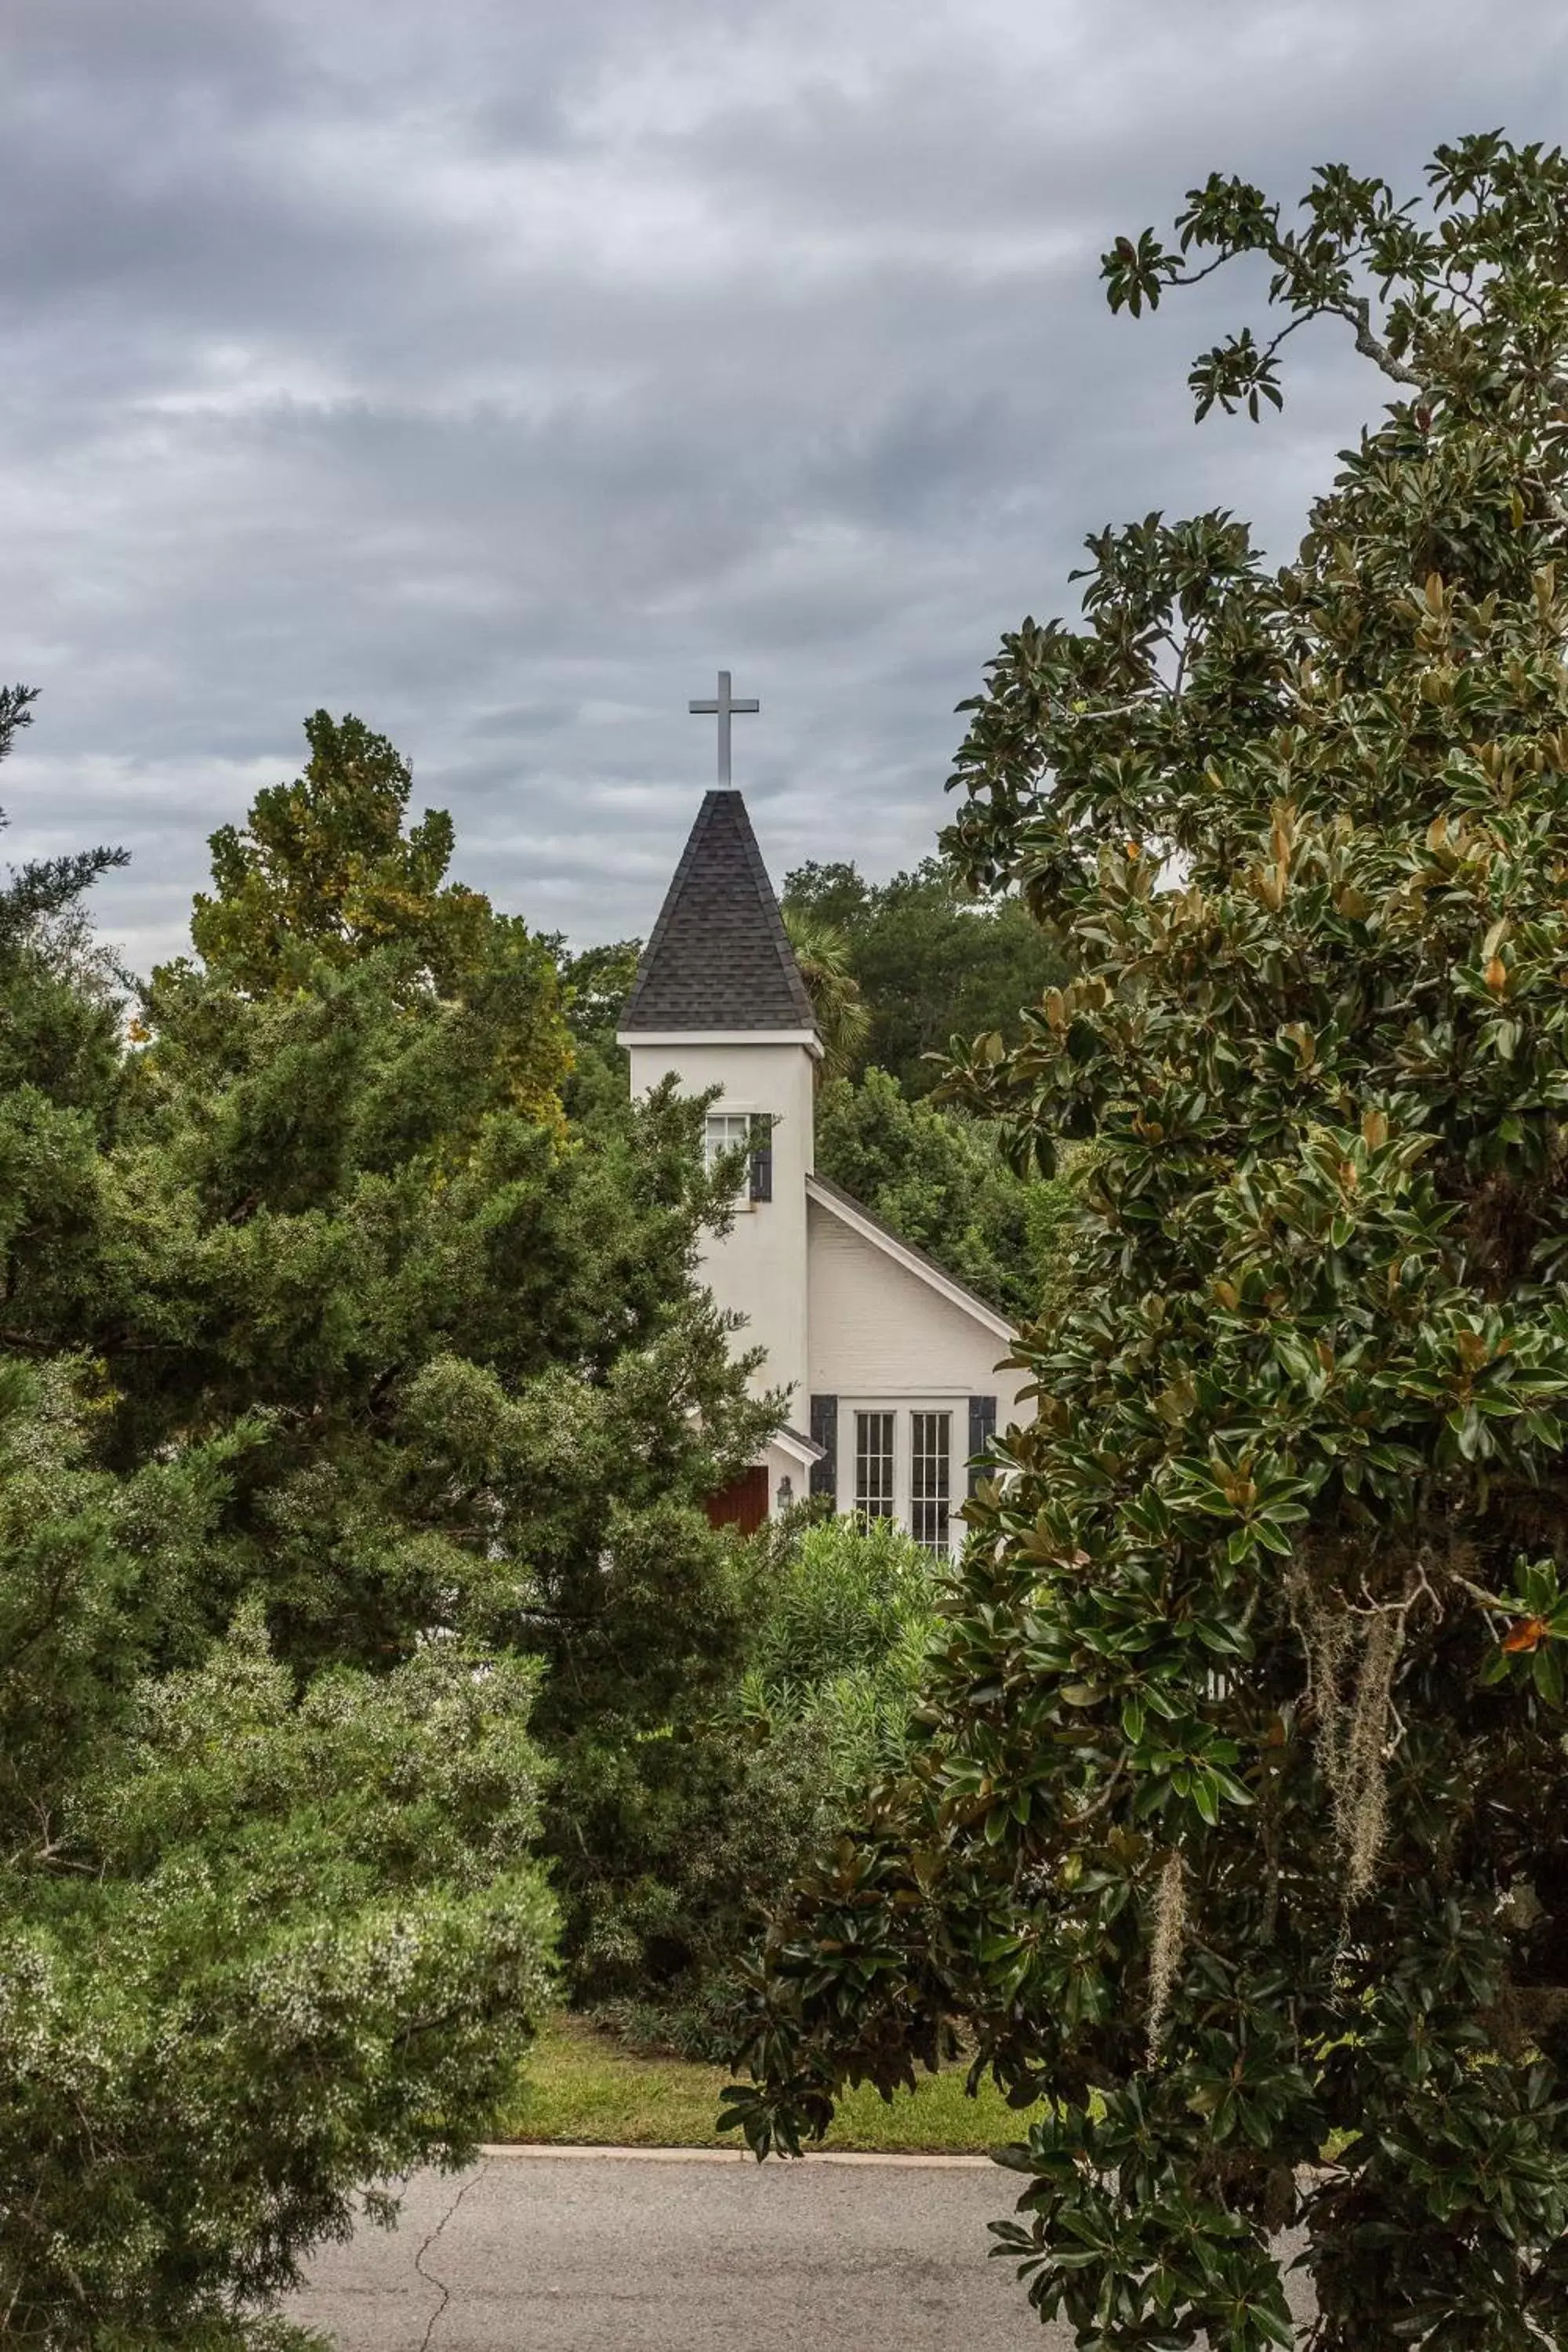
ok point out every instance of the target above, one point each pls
(859, 1219)
(805, 1449)
(719, 958)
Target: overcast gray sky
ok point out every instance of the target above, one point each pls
(497, 370)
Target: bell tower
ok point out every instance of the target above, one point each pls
(719, 1001)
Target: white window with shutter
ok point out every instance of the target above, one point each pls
(896, 1460)
(725, 1130)
(747, 1131)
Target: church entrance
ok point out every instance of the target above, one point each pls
(744, 1504)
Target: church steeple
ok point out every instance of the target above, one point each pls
(718, 1006)
(887, 1361)
(719, 959)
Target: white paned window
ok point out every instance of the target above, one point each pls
(930, 1474)
(874, 1496)
(726, 1130)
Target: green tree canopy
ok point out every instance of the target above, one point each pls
(594, 986)
(842, 1018)
(500, 1400)
(45, 885)
(1238, 1827)
(265, 1936)
(60, 1030)
(930, 960)
(343, 1390)
(326, 870)
(323, 869)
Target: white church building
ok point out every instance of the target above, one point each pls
(891, 1365)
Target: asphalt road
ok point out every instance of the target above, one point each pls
(573, 2252)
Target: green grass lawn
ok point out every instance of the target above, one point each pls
(581, 2088)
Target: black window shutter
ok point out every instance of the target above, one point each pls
(824, 1433)
(762, 1157)
(982, 1430)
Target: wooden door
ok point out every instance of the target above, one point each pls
(744, 1504)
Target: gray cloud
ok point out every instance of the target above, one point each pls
(500, 373)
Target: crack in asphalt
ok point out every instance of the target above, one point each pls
(430, 2278)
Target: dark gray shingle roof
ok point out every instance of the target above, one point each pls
(719, 957)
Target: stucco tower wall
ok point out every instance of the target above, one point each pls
(759, 1267)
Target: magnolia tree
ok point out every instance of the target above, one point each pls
(1237, 1831)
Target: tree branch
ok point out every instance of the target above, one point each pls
(1358, 316)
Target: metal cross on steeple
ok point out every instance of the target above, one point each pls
(721, 705)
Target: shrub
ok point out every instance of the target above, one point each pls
(258, 1949)
(840, 1620)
